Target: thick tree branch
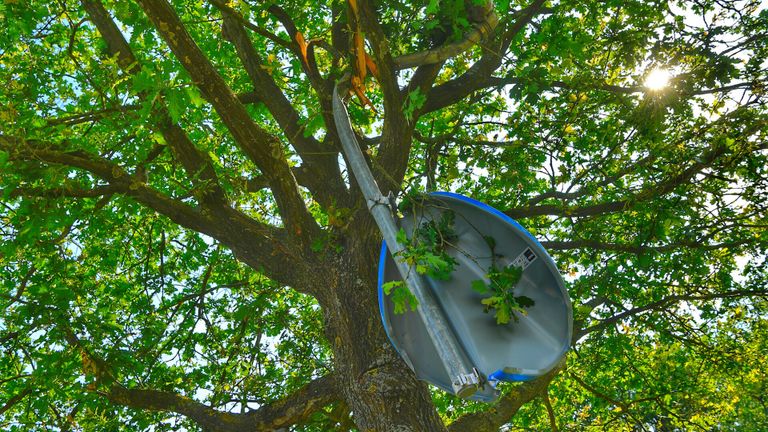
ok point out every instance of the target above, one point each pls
(389, 167)
(325, 182)
(438, 55)
(636, 89)
(496, 416)
(305, 52)
(196, 163)
(67, 190)
(550, 413)
(259, 245)
(260, 146)
(290, 410)
(248, 98)
(299, 47)
(395, 144)
(475, 78)
(304, 177)
(716, 152)
(224, 7)
(266, 90)
(294, 408)
(13, 400)
(663, 304)
(116, 44)
(156, 400)
(639, 249)
(298, 406)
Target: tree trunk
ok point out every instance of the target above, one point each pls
(379, 388)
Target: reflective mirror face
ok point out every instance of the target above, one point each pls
(498, 288)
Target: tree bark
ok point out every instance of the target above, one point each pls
(379, 388)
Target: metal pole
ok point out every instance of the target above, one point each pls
(464, 378)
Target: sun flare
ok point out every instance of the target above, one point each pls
(657, 79)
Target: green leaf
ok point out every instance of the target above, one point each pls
(401, 296)
(316, 123)
(194, 96)
(491, 301)
(158, 138)
(144, 80)
(432, 7)
(413, 102)
(177, 102)
(502, 316)
(387, 287)
(479, 286)
(524, 301)
(402, 237)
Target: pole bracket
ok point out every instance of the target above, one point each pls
(387, 201)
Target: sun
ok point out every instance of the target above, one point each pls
(657, 79)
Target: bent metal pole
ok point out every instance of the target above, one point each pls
(464, 378)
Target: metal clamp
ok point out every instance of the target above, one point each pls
(378, 201)
(465, 385)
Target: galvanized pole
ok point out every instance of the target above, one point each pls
(464, 378)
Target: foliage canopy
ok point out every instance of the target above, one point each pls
(182, 247)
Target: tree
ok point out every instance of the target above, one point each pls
(183, 248)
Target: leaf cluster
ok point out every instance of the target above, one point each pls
(426, 252)
(501, 298)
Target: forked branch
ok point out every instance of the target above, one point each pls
(264, 149)
(325, 181)
(294, 408)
